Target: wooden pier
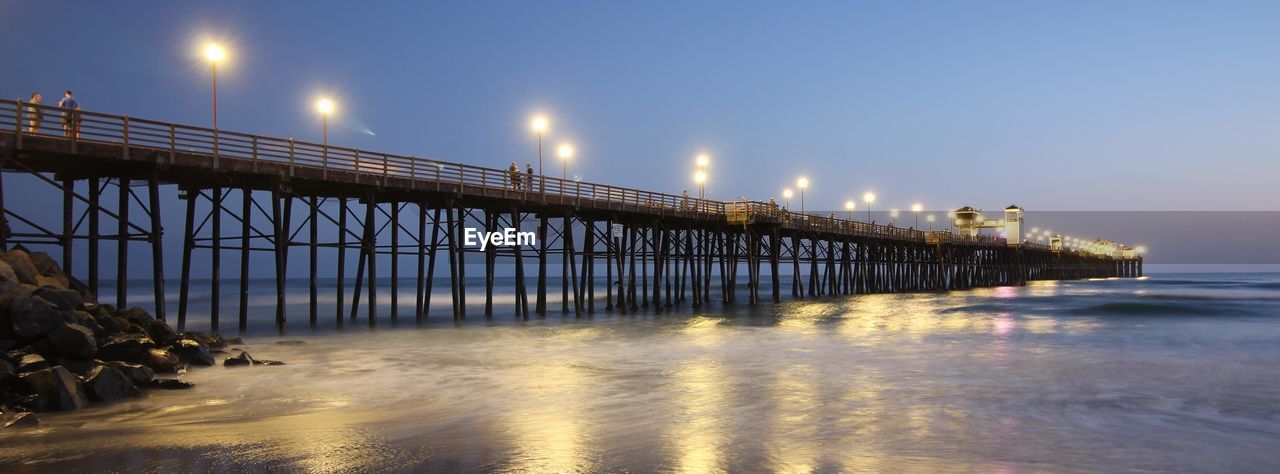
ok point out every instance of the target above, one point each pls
(657, 250)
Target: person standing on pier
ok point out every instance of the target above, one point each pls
(37, 115)
(514, 171)
(71, 116)
(528, 171)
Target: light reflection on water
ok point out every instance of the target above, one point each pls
(1078, 376)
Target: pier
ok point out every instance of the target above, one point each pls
(659, 250)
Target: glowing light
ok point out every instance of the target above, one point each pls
(848, 205)
(917, 207)
(928, 218)
(893, 213)
(869, 198)
(566, 151)
(700, 177)
(324, 106)
(703, 160)
(802, 183)
(1140, 249)
(786, 193)
(214, 52)
(539, 124)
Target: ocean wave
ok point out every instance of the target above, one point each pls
(1144, 308)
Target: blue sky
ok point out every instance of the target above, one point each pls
(1134, 105)
(1131, 105)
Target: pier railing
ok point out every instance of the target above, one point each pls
(129, 132)
(344, 163)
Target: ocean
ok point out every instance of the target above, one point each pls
(1171, 372)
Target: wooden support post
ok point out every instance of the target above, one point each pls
(522, 294)
(281, 228)
(395, 262)
(157, 247)
(462, 263)
(371, 246)
(313, 257)
(422, 266)
(188, 246)
(215, 260)
(68, 231)
(453, 259)
(542, 266)
(246, 217)
(431, 266)
(95, 210)
(571, 262)
(122, 246)
(341, 290)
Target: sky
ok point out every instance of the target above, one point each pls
(1067, 106)
(1135, 105)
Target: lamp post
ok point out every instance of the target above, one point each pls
(566, 152)
(802, 183)
(325, 107)
(702, 161)
(539, 125)
(700, 177)
(214, 53)
(915, 209)
(848, 206)
(869, 198)
(929, 219)
(893, 217)
(786, 197)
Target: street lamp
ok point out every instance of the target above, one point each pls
(214, 53)
(915, 209)
(929, 219)
(566, 152)
(869, 198)
(700, 177)
(325, 107)
(786, 197)
(848, 206)
(893, 216)
(802, 183)
(539, 125)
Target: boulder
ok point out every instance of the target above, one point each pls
(107, 384)
(60, 386)
(32, 316)
(21, 265)
(137, 315)
(83, 289)
(160, 360)
(77, 365)
(125, 347)
(74, 340)
(235, 340)
(22, 419)
(31, 363)
(45, 265)
(137, 373)
(68, 300)
(85, 319)
(243, 359)
(51, 282)
(6, 272)
(159, 331)
(170, 384)
(127, 326)
(192, 352)
(8, 374)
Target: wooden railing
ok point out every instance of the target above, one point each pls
(424, 173)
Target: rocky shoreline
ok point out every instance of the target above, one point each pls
(61, 350)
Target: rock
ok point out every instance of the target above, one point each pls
(235, 340)
(170, 384)
(68, 300)
(32, 316)
(8, 375)
(45, 265)
(6, 272)
(21, 265)
(23, 419)
(83, 289)
(159, 331)
(268, 362)
(109, 324)
(31, 363)
(51, 282)
(138, 374)
(160, 360)
(243, 359)
(192, 352)
(74, 340)
(58, 385)
(107, 384)
(128, 326)
(85, 319)
(211, 341)
(137, 315)
(78, 366)
(125, 348)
